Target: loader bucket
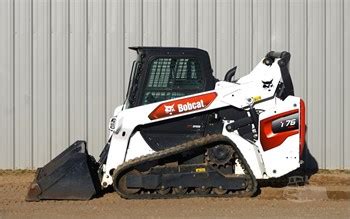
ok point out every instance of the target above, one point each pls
(71, 175)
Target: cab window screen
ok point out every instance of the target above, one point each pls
(171, 78)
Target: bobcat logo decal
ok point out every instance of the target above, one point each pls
(267, 84)
(169, 109)
(182, 105)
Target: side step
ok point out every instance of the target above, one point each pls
(71, 175)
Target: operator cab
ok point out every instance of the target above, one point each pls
(162, 73)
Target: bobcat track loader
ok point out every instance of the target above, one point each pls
(183, 133)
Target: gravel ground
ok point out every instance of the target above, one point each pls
(327, 196)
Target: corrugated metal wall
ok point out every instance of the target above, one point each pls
(64, 65)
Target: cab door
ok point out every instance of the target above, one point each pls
(169, 78)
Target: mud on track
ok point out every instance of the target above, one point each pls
(327, 196)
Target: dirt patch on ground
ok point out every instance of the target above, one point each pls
(312, 200)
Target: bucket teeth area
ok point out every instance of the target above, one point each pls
(33, 192)
(71, 175)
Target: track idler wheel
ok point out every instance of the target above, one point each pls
(220, 154)
(163, 191)
(219, 191)
(121, 184)
(202, 190)
(180, 190)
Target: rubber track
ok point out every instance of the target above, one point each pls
(204, 142)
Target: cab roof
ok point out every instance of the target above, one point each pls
(200, 54)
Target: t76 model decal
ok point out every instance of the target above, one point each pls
(184, 105)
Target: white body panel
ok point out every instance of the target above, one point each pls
(280, 160)
(250, 152)
(137, 147)
(125, 144)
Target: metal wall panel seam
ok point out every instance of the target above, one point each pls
(115, 55)
(335, 156)
(142, 22)
(206, 29)
(50, 80)
(60, 63)
(307, 54)
(188, 23)
(297, 44)
(315, 28)
(261, 29)
(215, 37)
(32, 82)
(133, 37)
(306, 77)
(270, 21)
(160, 23)
(87, 69)
(288, 23)
(77, 70)
(22, 79)
(333, 83)
(41, 99)
(69, 72)
(325, 83)
(14, 82)
(251, 33)
(105, 68)
(96, 73)
(151, 22)
(346, 82)
(170, 19)
(179, 22)
(341, 91)
(124, 87)
(234, 36)
(224, 37)
(50, 77)
(242, 36)
(342, 149)
(6, 82)
(197, 25)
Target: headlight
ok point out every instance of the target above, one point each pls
(113, 125)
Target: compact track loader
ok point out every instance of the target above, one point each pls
(182, 133)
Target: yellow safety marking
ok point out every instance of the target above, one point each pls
(200, 170)
(256, 98)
